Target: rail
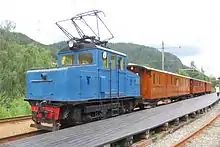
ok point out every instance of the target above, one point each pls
(20, 136)
(186, 139)
(14, 119)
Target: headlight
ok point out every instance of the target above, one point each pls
(43, 76)
(71, 43)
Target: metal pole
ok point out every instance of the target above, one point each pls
(162, 55)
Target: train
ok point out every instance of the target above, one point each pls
(92, 81)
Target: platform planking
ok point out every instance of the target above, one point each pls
(109, 130)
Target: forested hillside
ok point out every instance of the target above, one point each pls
(139, 54)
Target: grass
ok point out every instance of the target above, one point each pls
(17, 107)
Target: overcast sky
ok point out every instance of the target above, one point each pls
(192, 24)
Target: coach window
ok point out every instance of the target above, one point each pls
(153, 78)
(67, 60)
(104, 60)
(195, 83)
(177, 82)
(113, 62)
(120, 63)
(85, 58)
(158, 79)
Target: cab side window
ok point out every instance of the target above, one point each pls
(104, 60)
(85, 58)
(113, 62)
(120, 63)
(67, 60)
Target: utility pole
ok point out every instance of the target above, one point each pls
(162, 55)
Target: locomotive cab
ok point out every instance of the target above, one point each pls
(99, 69)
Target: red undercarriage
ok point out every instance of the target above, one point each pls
(49, 112)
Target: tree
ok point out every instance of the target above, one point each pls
(213, 80)
(182, 72)
(192, 65)
(202, 70)
(15, 60)
(8, 25)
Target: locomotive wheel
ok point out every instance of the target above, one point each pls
(130, 107)
(141, 107)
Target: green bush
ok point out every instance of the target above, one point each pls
(16, 108)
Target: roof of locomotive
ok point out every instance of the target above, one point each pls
(150, 68)
(90, 46)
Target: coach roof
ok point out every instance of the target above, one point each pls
(150, 68)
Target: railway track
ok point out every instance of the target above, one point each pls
(15, 119)
(20, 136)
(190, 137)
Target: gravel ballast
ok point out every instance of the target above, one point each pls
(173, 138)
(210, 136)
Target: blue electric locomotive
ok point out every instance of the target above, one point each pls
(90, 82)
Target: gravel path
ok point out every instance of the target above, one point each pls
(171, 139)
(10, 129)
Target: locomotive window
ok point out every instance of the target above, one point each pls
(153, 78)
(113, 62)
(67, 60)
(105, 61)
(85, 58)
(121, 64)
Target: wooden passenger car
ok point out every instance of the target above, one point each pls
(156, 84)
(208, 87)
(197, 87)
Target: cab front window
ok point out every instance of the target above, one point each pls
(67, 60)
(85, 58)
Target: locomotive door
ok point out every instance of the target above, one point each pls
(113, 76)
(121, 76)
